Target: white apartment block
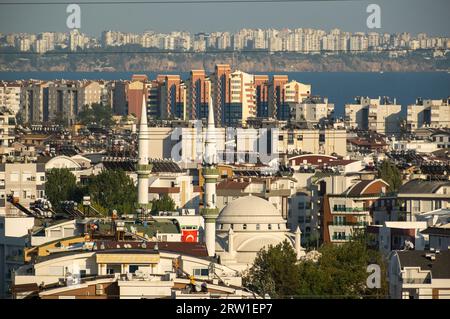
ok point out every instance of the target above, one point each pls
(379, 115)
(415, 274)
(243, 98)
(25, 181)
(10, 96)
(312, 110)
(428, 113)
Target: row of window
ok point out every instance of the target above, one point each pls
(258, 226)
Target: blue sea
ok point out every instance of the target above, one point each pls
(339, 87)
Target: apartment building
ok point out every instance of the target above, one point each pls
(135, 91)
(428, 113)
(283, 93)
(315, 141)
(312, 110)
(418, 196)
(415, 274)
(25, 182)
(262, 95)
(91, 92)
(220, 91)
(242, 104)
(344, 214)
(198, 88)
(172, 97)
(7, 125)
(10, 96)
(380, 115)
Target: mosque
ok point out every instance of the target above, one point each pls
(243, 227)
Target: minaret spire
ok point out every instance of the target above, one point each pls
(143, 168)
(210, 157)
(210, 175)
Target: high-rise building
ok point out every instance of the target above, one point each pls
(172, 100)
(220, 90)
(197, 95)
(136, 88)
(282, 93)
(262, 95)
(242, 104)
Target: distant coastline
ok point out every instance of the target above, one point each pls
(255, 62)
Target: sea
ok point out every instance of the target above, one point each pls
(340, 87)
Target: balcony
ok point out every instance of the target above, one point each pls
(417, 281)
(341, 238)
(350, 209)
(361, 224)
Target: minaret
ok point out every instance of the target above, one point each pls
(300, 251)
(143, 168)
(210, 175)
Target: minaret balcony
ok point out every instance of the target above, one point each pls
(209, 213)
(144, 168)
(210, 172)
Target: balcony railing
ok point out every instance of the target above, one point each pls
(348, 237)
(350, 209)
(417, 281)
(348, 223)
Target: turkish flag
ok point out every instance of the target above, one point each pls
(189, 235)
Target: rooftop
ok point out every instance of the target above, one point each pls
(417, 258)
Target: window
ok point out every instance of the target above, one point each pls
(299, 137)
(133, 268)
(322, 137)
(280, 137)
(244, 227)
(201, 272)
(269, 226)
(258, 227)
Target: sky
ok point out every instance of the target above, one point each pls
(414, 16)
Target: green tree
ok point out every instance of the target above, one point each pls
(341, 272)
(391, 174)
(274, 272)
(113, 189)
(165, 203)
(97, 113)
(60, 186)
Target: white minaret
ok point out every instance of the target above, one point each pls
(143, 168)
(210, 175)
(300, 251)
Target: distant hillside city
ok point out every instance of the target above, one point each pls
(304, 40)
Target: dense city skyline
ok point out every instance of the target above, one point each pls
(306, 40)
(396, 16)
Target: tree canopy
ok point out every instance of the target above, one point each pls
(390, 174)
(341, 272)
(165, 203)
(113, 189)
(61, 186)
(97, 113)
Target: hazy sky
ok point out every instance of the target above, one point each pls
(430, 16)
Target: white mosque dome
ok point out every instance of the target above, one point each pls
(250, 210)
